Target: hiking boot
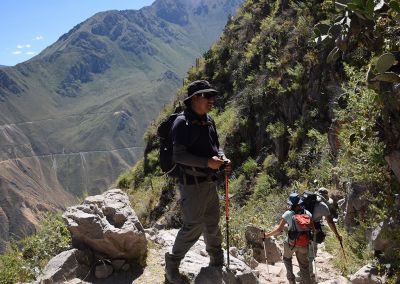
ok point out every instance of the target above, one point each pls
(172, 269)
(312, 277)
(217, 260)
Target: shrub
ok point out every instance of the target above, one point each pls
(249, 168)
(125, 180)
(358, 253)
(264, 185)
(276, 129)
(26, 258)
(237, 185)
(14, 268)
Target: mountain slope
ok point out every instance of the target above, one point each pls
(303, 107)
(73, 117)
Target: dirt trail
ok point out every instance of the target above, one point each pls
(326, 273)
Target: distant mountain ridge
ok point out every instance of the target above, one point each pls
(3, 66)
(72, 118)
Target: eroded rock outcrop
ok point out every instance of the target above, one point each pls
(272, 251)
(107, 224)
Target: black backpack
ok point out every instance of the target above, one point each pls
(310, 199)
(164, 132)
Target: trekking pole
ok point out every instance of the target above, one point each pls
(226, 209)
(314, 254)
(227, 217)
(265, 253)
(341, 244)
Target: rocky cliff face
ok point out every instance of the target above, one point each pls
(73, 117)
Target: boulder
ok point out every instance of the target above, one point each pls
(107, 224)
(103, 270)
(118, 264)
(272, 250)
(66, 266)
(356, 204)
(339, 280)
(366, 275)
(383, 238)
(393, 160)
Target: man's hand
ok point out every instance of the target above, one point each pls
(215, 163)
(339, 237)
(228, 166)
(262, 235)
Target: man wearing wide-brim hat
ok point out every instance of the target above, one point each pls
(197, 153)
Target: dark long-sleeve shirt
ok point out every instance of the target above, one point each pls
(195, 140)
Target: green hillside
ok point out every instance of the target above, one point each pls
(310, 98)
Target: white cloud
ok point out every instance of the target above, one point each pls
(30, 52)
(20, 46)
(16, 52)
(39, 37)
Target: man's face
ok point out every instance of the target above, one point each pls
(203, 103)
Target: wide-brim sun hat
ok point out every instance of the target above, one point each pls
(199, 87)
(294, 199)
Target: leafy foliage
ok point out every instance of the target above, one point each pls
(26, 258)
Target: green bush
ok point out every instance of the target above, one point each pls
(125, 180)
(237, 185)
(132, 178)
(14, 268)
(361, 157)
(26, 258)
(244, 149)
(270, 161)
(276, 129)
(264, 185)
(249, 168)
(226, 122)
(152, 160)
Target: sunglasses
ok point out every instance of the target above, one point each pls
(206, 95)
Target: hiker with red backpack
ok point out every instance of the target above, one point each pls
(196, 158)
(300, 225)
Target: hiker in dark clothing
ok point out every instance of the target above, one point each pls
(299, 246)
(197, 153)
(319, 209)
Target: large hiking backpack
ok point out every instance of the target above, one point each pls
(310, 200)
(300, 232)
(164, 132)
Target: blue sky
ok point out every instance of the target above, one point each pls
(29, 26)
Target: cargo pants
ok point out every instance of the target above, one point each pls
(200, 214)
(302, 259)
